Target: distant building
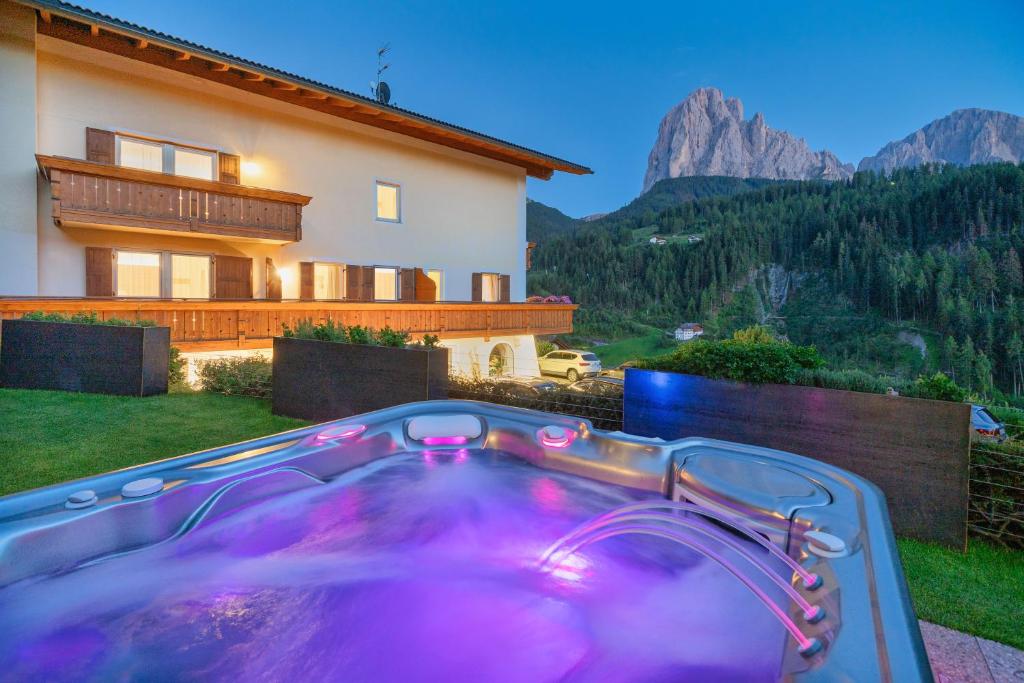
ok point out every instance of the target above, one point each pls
(688, 331)
(656, 239)
(693, 239)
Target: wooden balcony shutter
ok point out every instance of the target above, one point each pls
(306, 289)
(478, 287)
(426, 289)
(99, 271)
(273, 281)
(230, 166)
(99, 145)
(359, 283)
(504, 288)
(407, 284)
(368, 291)
(232, 277)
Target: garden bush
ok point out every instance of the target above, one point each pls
(604, 412)
(90, 318)
(332, 331)
(742, 361)
(938, 387)
(246, 376)
(847, 380)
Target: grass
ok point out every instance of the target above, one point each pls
(980, 591)
(654, 343)
(51, 436)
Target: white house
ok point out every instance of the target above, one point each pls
(655, 239)
(150, 176)
(688, 331)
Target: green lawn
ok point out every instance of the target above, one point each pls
(980, 592)
(654, 343)
(52, 436)
(48, 437)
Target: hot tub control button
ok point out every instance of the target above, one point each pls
(142, 487)
(81, 499)
(825, 544)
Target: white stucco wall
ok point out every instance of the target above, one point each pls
(18, 274)
(461, 213)
(470, 356)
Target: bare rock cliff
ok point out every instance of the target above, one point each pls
(706, 135)
(965, 137)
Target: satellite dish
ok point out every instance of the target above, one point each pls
(383, 92)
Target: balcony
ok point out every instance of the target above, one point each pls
(95, 195)
(252, 324)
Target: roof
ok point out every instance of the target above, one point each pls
(87, 27)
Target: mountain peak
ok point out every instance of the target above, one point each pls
(706, 135)
(964, 137)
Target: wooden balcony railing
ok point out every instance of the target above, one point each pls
(251, 324)
(86, 193)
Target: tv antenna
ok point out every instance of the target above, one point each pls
(381, 90)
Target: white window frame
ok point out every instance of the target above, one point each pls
(440, 287)
(167, 158)
(342, 282)
(377, 182)
(166, 285)
(398, 282)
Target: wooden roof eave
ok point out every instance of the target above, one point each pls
(143, 47)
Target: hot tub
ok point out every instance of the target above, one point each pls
(457, 541)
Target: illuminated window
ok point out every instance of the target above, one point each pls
(438, 277)
(138, 274)
(194, 163)
(190, 276)
(388, 202)
(327, 281)
(165, 157)
(149, 156)
(490, 287)
(385, 284)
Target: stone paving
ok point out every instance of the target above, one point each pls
(961, 658)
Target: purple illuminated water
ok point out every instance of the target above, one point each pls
(419, 567)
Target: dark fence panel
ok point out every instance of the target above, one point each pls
(604, 412)
(916, 451)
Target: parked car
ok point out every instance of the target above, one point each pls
(570, 364)
(525, 387)
(619, 371)
(599, 386)
(985, 426)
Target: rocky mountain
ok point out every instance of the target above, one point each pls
(965, 137)
(706, 135)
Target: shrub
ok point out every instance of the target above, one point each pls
(938, 387)
(755, 334)
(82, 318)
(246, 376)
(544, 348)
(847, 380)
(741, 361)
(357, 334)
(389, 337)
(431, 341)
(176, 370)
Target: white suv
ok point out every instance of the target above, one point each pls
(570, 364)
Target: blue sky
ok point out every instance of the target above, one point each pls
(590, 81)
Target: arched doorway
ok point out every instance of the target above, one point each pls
(500, 362)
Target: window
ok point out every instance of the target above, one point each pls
(165, 157)
(149, 156)
(385, 284)
(438, 277)
(138, 274)
(194, 163)
(190, 276)
(388, 202)
(490, 287)
(327, 281)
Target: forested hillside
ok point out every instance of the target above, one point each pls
(937, 246)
